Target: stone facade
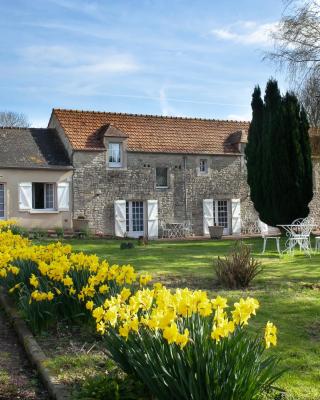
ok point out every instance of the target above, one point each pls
(96, 187)
(315, 203)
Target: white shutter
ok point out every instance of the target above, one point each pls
(120, 218)
(25, 196)
(236, 216)
(153, 223)
(63, 196)
(208, 219)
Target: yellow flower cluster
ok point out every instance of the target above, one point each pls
(170, 313)
(59, 271)
(41, 296)
(7, 224)
(270, 334)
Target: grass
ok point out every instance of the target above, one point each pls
(288, 290)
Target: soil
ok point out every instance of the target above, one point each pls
(18, 380)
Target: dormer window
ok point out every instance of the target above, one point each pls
(115, 156)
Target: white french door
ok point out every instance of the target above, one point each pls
(221, 214)
(135, 218)
(2, 201)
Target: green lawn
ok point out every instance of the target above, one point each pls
(288, 290)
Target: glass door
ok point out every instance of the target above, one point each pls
(221, 213)
(135, 218)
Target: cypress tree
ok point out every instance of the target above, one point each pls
(253, 148)
(279, 162)
(271, 134)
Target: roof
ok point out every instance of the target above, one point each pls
(32, 148)
(149, 133)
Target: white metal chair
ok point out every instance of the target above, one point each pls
(271, 233)
(187, 229)
(300, 235)
(165, 232)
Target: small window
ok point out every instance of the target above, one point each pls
(161, 177)
(43, 196)
(203, 167)
(115, 155)
(1, 201)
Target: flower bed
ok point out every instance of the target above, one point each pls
(52, 283)
(181, 344)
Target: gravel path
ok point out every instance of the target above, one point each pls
(18, 380)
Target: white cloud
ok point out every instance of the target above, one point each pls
(239, 117)
(39, 123)
(74, 5)
(247, 33)
(166, 108)
(163, 102)
(77, 60)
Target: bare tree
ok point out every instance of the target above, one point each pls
(13, 119)
(297, 39)
(309, 96)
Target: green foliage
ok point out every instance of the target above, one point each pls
(84, 233)
(59, 231)
(126, 245)
(253, 150)
(112, 386)
(38, 233)
(18, 230)
(279, 157)
(238, 268)
(235, 368)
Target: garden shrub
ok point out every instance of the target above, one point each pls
(184, 345)
(113, 386)
(238, 268)
(126, 245)
(59, 231)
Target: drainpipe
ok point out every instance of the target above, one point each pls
(185, 187)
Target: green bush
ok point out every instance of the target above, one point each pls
(238, 268)
(38, 233)
(18, 230)
(112, 386)
(126, 245)
(59, 231)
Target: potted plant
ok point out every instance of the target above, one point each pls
(216, 231)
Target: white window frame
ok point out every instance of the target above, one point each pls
(113, 164)
(163, 187)
(4, 201)
(203, 162)
(54, 191)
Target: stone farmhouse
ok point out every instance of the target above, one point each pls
(128, 174)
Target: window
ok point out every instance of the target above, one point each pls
(203, 167)
(1, 201)
(43, 196)
(161, 177)
(115, 155)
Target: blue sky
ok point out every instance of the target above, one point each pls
(184, 58)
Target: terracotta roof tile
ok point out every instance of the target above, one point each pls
(149, 133)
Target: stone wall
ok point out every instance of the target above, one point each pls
(96, 187)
